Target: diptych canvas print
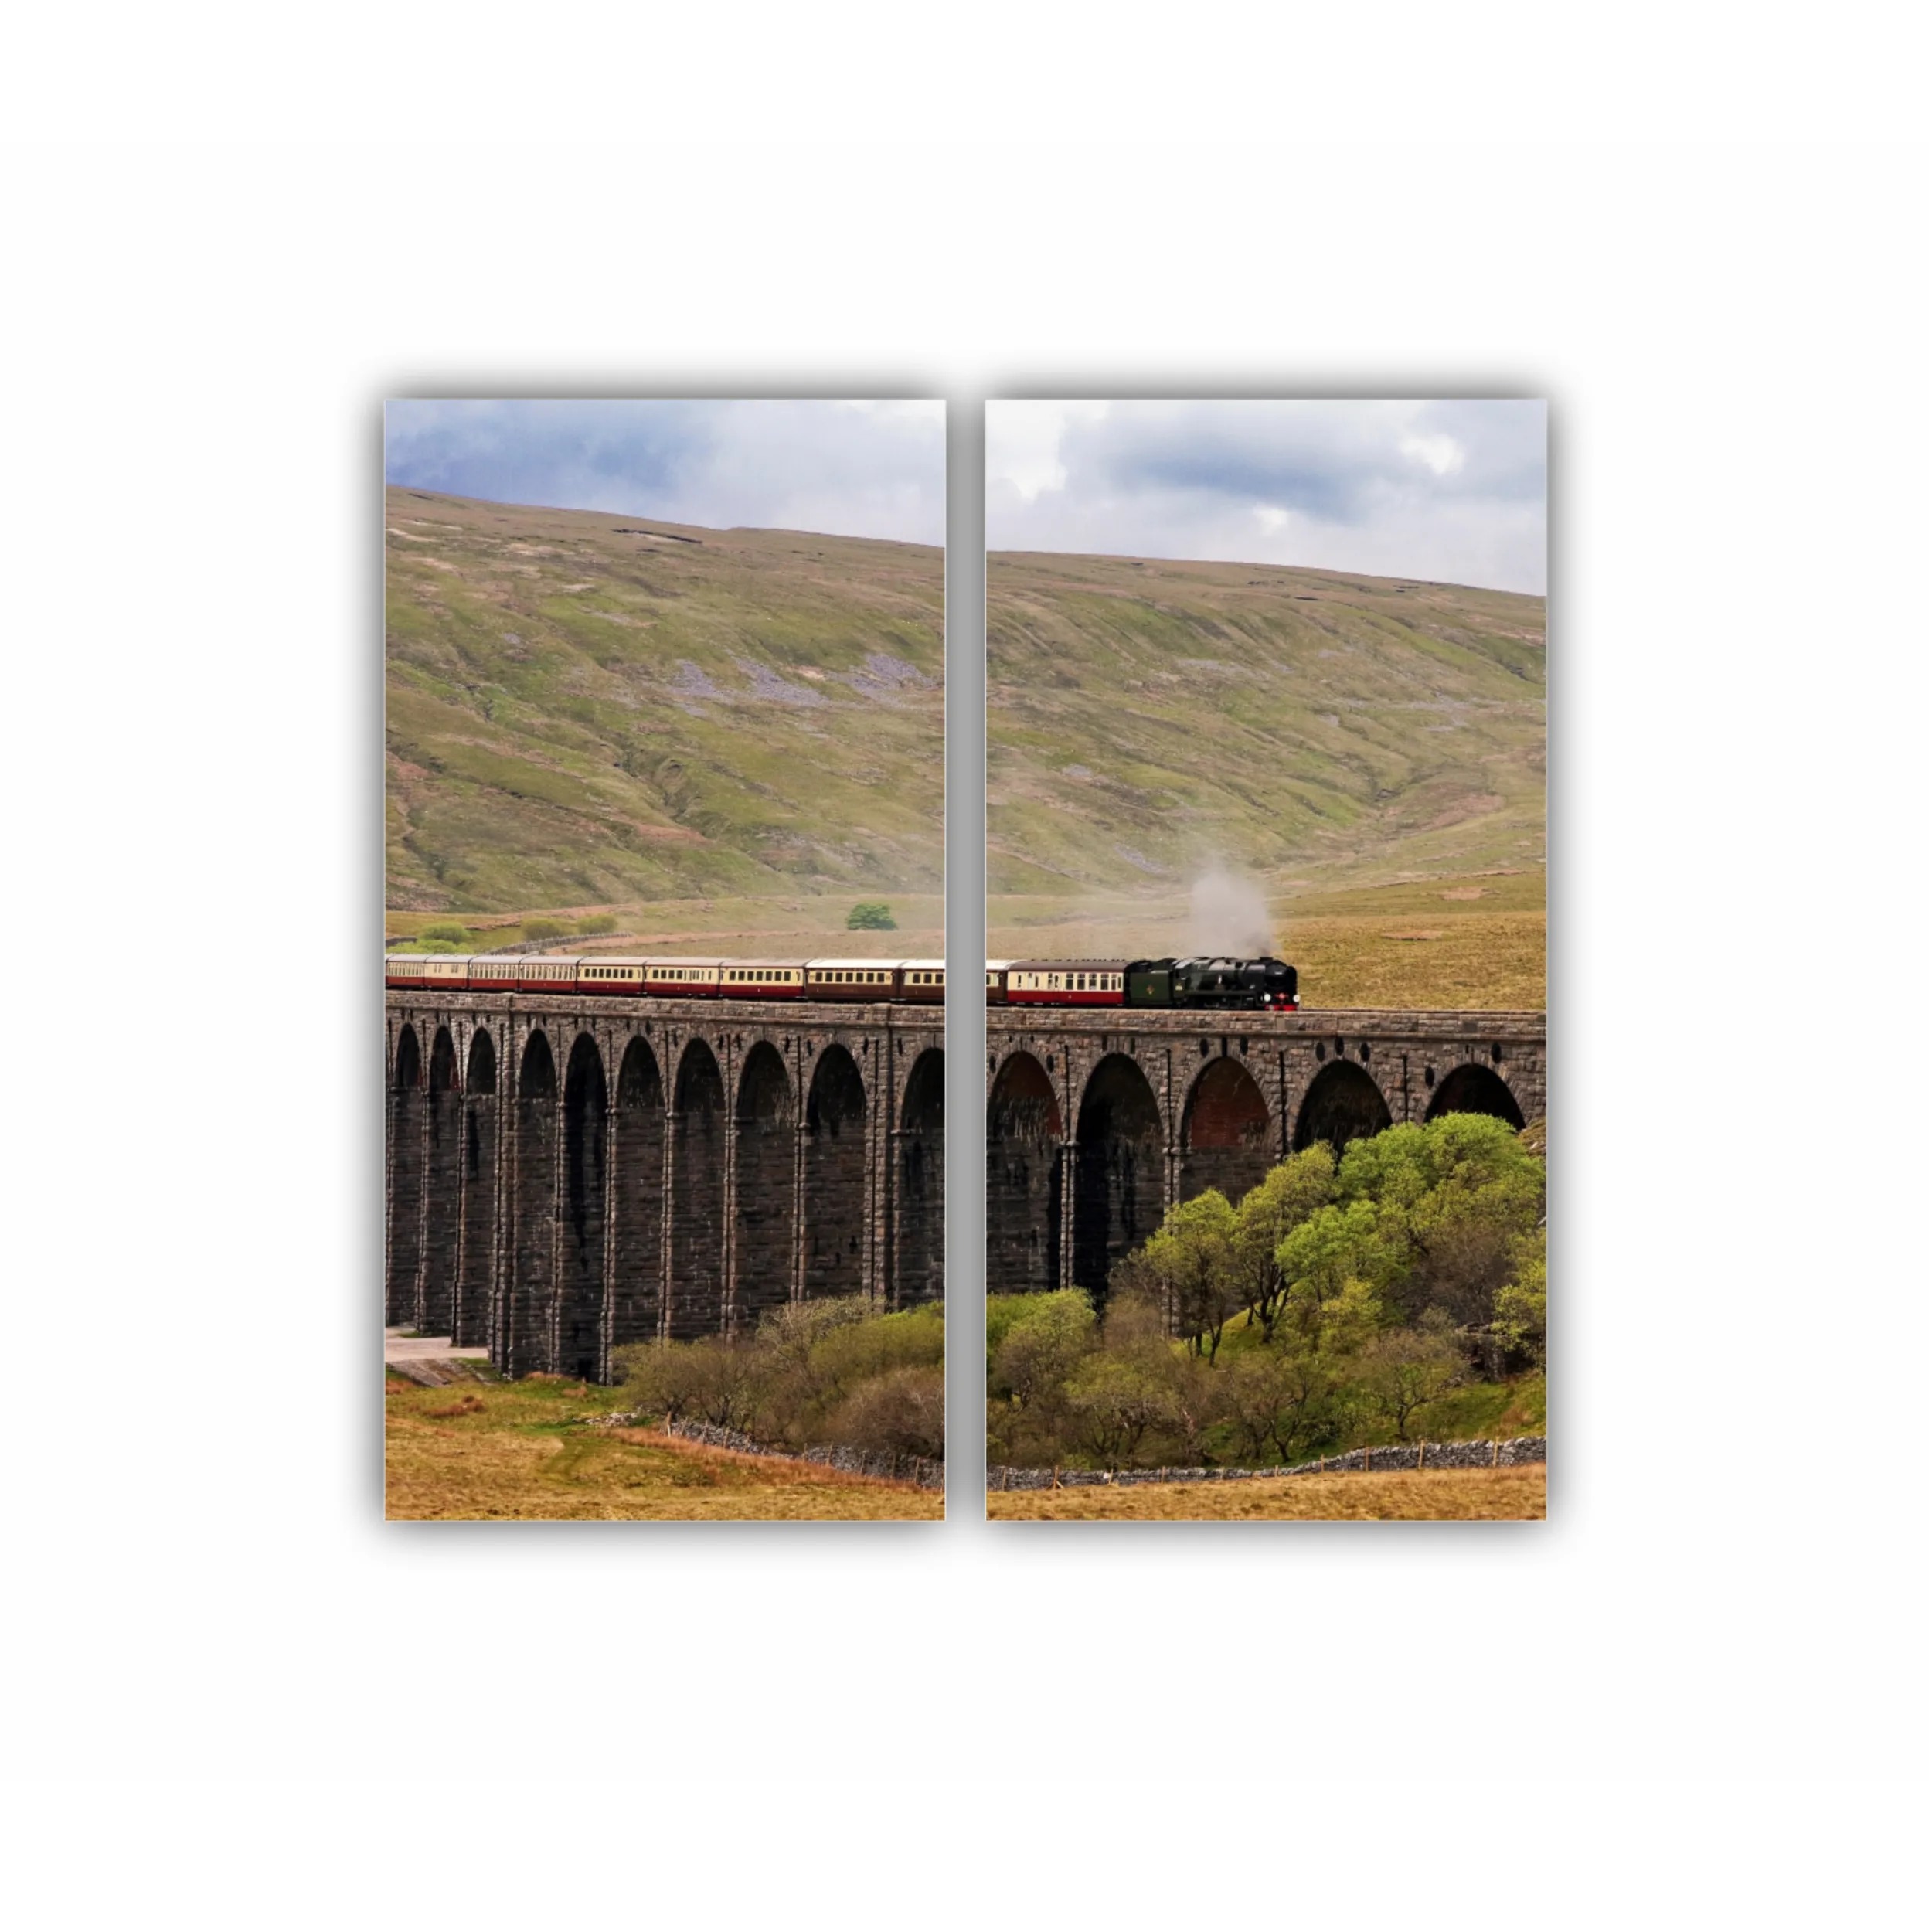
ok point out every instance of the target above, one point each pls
(665, 974)
(1265, 893)
(665, 989)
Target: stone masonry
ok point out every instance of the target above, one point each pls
(1097, 1121)
(567, 1175)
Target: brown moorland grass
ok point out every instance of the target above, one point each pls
(1422, 1495)
(525, 1451)
(1445, 945)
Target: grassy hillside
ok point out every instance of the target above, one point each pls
(591, 710)
(1145, 718)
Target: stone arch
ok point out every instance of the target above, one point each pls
(1226, 1136)
(696, 1286)
(470, 1312)
(1118, 1191)
(1343, 1104)
(763, 1222)
(637, 1193)
(580, 1308)
(1023, 1136)
(442, 1188)
(532, 1243)
(835, 1180)
(1474, 1089)
(920, 1244)
(405, 1181)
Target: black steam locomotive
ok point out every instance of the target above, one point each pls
(1267, 986)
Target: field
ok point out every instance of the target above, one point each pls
(1448, 1496)
(524, 1451)
(1457, 941)
(795, 923)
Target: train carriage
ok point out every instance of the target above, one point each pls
(546, 973)
(923, 981)
(682, 978)
(762, 978)
(851, 979)
(1066, 982)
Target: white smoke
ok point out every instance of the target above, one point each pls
(1228, 915)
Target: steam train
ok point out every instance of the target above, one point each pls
(1250, 985)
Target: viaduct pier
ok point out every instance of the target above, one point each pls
(566, 1175)
(1098, 1121)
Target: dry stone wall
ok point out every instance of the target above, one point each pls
(1386, 1460)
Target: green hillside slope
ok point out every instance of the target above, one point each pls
(1147, 719)
(590, 710)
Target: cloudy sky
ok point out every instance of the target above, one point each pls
(845, 469)
(1451, 491)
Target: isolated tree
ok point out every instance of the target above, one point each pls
(871, 915)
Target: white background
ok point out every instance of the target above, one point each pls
(234, 1695)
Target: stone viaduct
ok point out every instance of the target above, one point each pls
(566, 1175)
(1098, 1121)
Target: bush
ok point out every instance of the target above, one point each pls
(544, 929)
(456, 935)
(871, 916)
(604, 922)
(815, 1371)
(1360, 1301)
(902, 1413)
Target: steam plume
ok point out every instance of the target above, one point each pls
(1228, 915)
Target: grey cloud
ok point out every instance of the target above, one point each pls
(1452, 491)
(868, 470)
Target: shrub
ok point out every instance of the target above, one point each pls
(456, 935)
(871, 915)
(543, 928)
(603, 922)
(902, 1413)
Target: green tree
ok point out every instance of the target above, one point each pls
(871, 915)
(1040, 1345)
(1522, 1303)
(1113, 1400)
(1403, 1370)
(1280, 1400)
(1294, 1190)
(1191, 1263)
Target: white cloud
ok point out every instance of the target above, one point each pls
(1451, 491)
(1441, 454)
(1023, 444)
